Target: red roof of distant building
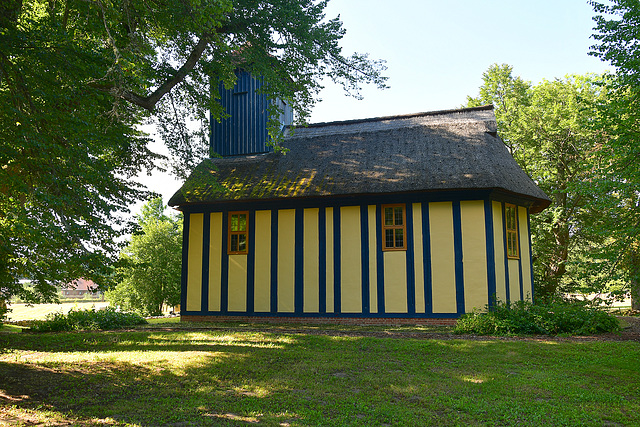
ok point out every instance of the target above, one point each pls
(82, 285)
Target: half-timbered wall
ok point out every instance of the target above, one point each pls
(328, 261)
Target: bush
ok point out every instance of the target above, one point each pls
(91, 319)
(522, 317)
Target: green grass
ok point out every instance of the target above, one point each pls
(39, 311)
(196, 377)
(11, 328)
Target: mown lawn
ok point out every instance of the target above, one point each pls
(40, 311)
(216, 377)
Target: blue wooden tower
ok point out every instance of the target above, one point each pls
(245, 131)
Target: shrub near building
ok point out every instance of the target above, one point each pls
(523, 317)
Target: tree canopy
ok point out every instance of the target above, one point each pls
(617, 35)
(150, 271)
(78, 77)
(548, 130)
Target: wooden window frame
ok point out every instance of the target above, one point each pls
(402, 227)
(511, 231)
(237, 233)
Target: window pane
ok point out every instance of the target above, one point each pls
(242, 245)
(398, 215)
(511, 218)
(234, 243)
(399, 238)
(388, 216)
(234, 222)
(242, 226)
(388, 238)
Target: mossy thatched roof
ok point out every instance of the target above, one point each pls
(446, 150)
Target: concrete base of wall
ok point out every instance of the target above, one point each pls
(364, 321)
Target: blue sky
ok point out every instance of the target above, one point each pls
(437, 50)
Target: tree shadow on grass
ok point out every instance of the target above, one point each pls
(194, 383)
(206, 378)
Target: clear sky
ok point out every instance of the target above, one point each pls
(437, 50)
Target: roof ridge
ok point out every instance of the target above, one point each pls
(488, 107)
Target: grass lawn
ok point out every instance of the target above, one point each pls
(193, 377)
(39, 311)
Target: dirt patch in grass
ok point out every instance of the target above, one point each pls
(630, 331)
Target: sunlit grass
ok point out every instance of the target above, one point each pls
(230, 377)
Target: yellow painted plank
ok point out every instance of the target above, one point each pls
(194, 266)
(373, 260)
(215, 261)
(329, 260)
(514, 279)
(418, 257)
(395, 281)
(442, 257)
(237, 283)
(350, 260)
(286, 260)
(262, 280)
(311, 265)
(525, 256)
(498, 249)
(474, 255)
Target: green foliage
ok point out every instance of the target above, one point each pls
(150, 269)
(617, 33)
(617, 179)
(548, 129)
(77, 78)
(523, 317)
(106, 319)
(3, 311)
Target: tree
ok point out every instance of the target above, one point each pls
(77, 77)
(546, 127)
(151, 263)
(617, 33)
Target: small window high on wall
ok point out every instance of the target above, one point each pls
(394, 229)
(238, 232)
(511, 227)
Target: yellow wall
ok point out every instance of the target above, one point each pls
(525, 255)
(311, 267)
(286, 260)
(262, 280)
(330, 267)
(215, 261)
(418, 258)
(474, 255)
(194, 263)
(350, 260)
(373, 260)
(498, 245)
(237, 283)
(395, 281)
(514, 279)
(351, 252)
(442, 257)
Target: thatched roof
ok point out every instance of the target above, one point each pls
(445, 150)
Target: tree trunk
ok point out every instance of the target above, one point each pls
(634, 278)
